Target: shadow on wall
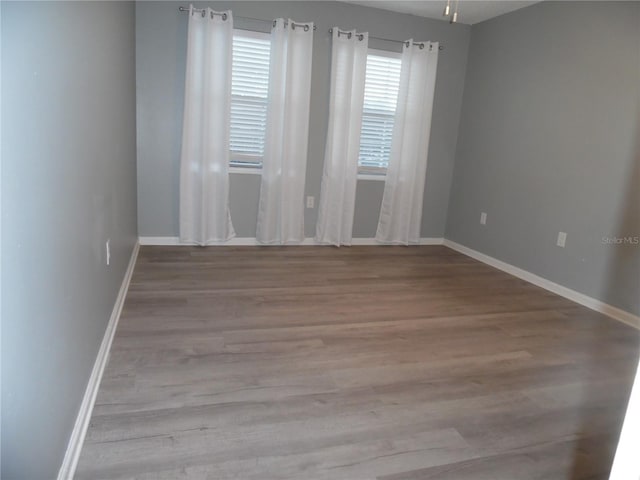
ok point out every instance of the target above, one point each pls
(594, 453)
(624, 256)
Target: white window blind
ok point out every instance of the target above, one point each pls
(380, 97)
(249, 91)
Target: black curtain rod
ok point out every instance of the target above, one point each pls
(422, 44)
(186, 9)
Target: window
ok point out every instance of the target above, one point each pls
(249, 91)
(380, 97)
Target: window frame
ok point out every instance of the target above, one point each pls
(234, 165)
(372, 173)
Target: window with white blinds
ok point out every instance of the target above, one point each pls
(380, 97)
(249, 91)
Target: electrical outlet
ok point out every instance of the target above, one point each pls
(311, 201)
(483, 218)
(107, 247)
(562, 239)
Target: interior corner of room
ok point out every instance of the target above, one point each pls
(533, 170)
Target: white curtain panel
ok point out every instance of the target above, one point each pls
(338, 191)
(204, 161)
(284, 166)
(401, 211)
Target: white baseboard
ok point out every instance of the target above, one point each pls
(431, 241)
(70, 462)
(589, 302)
(246, 241)
(159, 241)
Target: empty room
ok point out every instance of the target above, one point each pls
(319, 240)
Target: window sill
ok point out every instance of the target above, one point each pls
(258, 171)
(371, 176)
(246, 170)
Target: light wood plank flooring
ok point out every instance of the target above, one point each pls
(355, 363)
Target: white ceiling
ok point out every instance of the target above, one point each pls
(469, 11)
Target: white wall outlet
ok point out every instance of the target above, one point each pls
(483, 218)
(107, 247)
(562, 239)
(311, 201)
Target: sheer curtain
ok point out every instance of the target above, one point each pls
(401, 211)
(338, 191)
(281, 209)
(204, 160)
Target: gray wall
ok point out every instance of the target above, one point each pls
(161, 33)
(68, 184)
(549, 142)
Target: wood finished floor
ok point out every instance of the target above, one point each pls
(356, 363)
